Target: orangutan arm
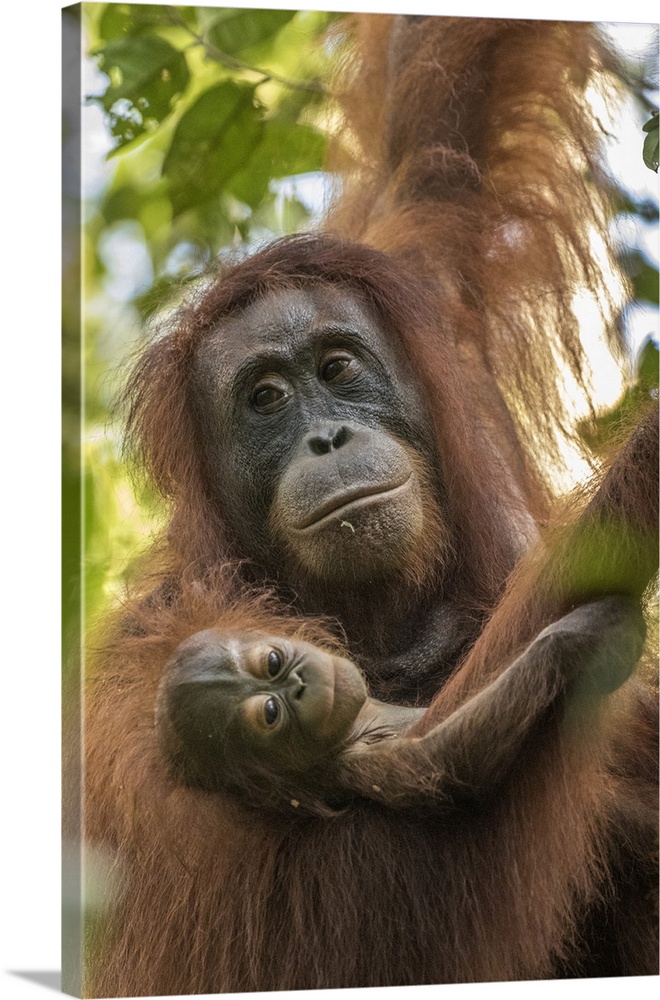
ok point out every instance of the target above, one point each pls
(587, 653)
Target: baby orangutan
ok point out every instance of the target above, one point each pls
(285, 724)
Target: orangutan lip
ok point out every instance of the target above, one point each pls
(336, 505)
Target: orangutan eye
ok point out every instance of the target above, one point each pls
(271, 711)
(274, 663)
(339, 367)
(270, 394)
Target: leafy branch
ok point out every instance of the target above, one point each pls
(232, 62)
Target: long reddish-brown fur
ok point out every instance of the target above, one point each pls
(471, 176)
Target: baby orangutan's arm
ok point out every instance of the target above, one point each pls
(589, 652)
(479, 723)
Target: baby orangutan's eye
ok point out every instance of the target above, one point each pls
(271, 710)
(274, 663)
(264, 713)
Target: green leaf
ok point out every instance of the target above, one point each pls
(294, 215)
(213, 140)
(652, 124)
(645, 283)
(161, 293)
(650, 150)
(644, 276)
(146, 74)
(237, 30)
(123, 203)
(597, 432)
(284, 149)
(626, 203)
(648, 365)
(120, 20)
(280, 215)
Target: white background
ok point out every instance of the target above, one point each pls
(29, 462)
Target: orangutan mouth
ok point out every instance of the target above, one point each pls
(351, 500)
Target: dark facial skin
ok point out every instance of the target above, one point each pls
(314, 431)
(285, 704)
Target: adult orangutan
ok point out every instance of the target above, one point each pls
(348, 427)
